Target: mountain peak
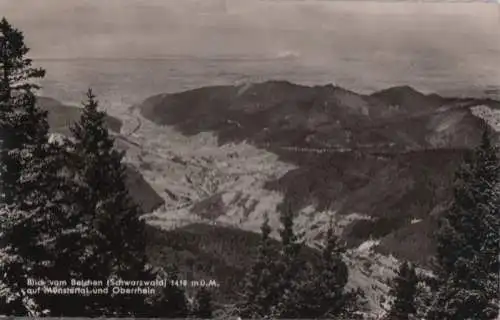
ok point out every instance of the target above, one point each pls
(398, 91)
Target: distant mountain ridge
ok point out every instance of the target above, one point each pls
(389, 155)
(281, 113)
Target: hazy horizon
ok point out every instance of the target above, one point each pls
(364, 45)
(311, 29)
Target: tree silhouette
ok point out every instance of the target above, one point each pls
(468, 241)
(404, 291)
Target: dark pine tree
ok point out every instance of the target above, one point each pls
(291, 269)
(30, 186)
(21, 122)
(259, 293)
(468, 241)
(404, 291)
(203, 308)
(116, 241)
(328, 296)
(67, 244)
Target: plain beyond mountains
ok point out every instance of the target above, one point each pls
(128, 51)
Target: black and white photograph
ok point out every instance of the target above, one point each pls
(250, 159)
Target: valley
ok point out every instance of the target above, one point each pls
(382, 172)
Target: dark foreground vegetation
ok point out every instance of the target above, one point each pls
(66, 213)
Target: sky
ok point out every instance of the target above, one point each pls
(313, 30)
